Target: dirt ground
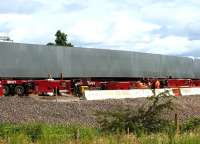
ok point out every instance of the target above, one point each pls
(73, 110)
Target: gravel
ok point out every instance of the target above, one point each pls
(28, 109)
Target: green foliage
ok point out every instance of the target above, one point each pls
(45, 133)
(18, 139)
(162, 138)
(33, 131)
(76, 134)
(146, 119)
(61, 40)
(7, 129)
(50, 44)
(191, 124)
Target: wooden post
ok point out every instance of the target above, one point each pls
(128, 132)
(176, 123)
(77, 134)
(56, 96)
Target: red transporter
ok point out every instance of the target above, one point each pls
(18, 87)
(117, 85)
(178, 83)
(1, 89)
(64, 87)
(25, 87)
(52, 87)
(196, 83)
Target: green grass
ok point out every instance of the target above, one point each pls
(37, 133)
(186, 138)
(45, 133)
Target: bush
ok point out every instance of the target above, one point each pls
(190, 124)
(33, 131)
(148, 118)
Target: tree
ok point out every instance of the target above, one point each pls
(61, 40)
(50, 44)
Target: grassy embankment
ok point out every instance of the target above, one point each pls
(64, 134)
(146, 125)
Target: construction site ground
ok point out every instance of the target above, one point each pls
(72, 110)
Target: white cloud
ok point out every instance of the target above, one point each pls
(126, 28)
(89, 31)
(167, 45)
(165, 27)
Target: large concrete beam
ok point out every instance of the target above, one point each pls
(36, 61)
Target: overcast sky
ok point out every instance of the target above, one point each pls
(155, 26)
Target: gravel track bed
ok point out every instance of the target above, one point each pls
(27, 109)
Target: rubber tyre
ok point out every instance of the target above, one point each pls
(6, 90)
(19, 90)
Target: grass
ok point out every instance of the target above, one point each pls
(44, 133)
(186, 138)
(37, 133)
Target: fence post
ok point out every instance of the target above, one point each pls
(56, 95)
(176, 123)
(128, 133)
(77, 135)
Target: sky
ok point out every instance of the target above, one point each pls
(169, 27)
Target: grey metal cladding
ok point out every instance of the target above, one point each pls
(196, 68)
(27, 60)
(19, 60)
(179, 67)
(99, 63)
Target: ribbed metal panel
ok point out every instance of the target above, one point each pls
(32, 61)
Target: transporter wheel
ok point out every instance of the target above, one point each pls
(19, 90)
(6, 90)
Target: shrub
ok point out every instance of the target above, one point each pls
(147, 118)
(33, 131)
(190, 124)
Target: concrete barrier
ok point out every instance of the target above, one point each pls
(116, 94)
(137, 93)
(189, 91)
(159, 91)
